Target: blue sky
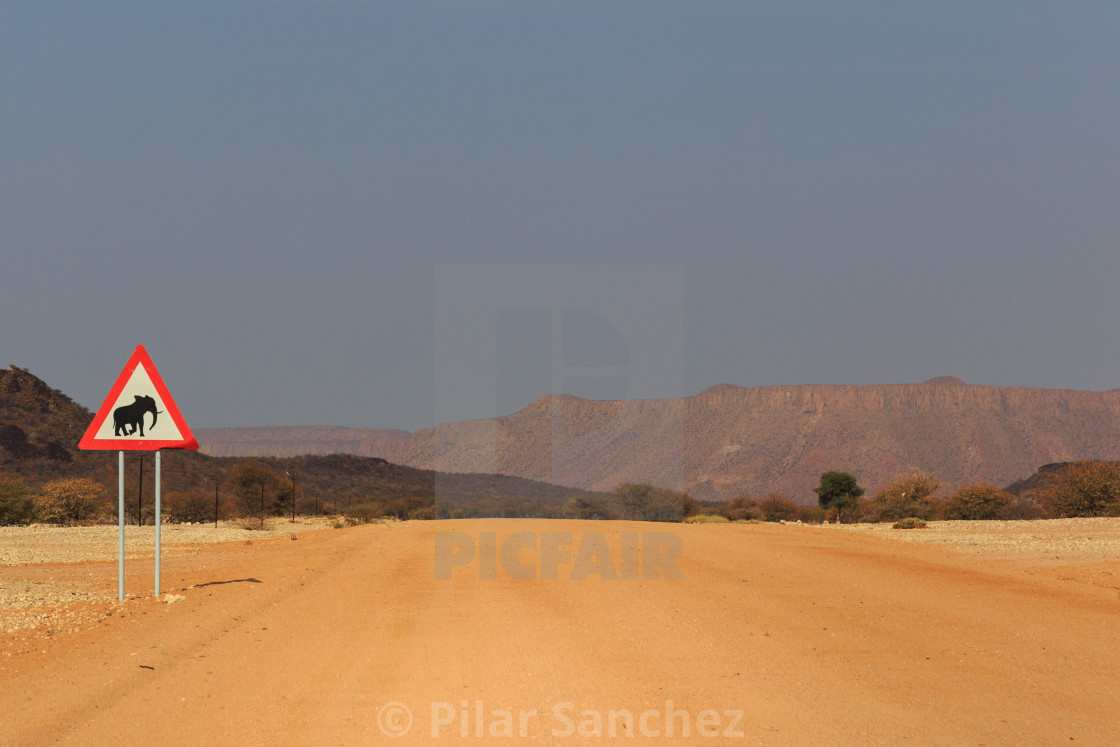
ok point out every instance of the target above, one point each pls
(286, 202)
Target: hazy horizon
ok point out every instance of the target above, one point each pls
(393, 214)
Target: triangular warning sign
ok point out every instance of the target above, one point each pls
(138, 414)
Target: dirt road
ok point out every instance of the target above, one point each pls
(774, 635)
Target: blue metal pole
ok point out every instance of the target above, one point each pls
(157, 522)
(120, 527)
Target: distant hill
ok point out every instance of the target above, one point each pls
(40, 428)
(728, 440)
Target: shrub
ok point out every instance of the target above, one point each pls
(706, 519)
(911, 493)
(689, 507)
(255, 485)
(71, 501)
(979, 501)
(586, 507)
(645, 502)
(1025, 510)
(910, 522)
(423, 513)
(810, 514)
(1083, 489)
(183, 507)
(776, 507)
(740, 508)
(365, 512)
(16, 506)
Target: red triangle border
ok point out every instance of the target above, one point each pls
(90, 440)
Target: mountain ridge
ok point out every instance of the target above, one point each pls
(729, 439)
(40, 428)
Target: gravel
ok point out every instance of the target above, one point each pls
(64, 598)
(1051, 539)
(40, 543)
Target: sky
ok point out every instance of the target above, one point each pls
(392, 214)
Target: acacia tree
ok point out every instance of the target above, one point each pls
(250, 480)
(837, 490)
(978, 501)
(1083, 489)
(911, 493)
(645, 502)
(777, 507)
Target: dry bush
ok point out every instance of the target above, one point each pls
(423, 513)
(72, 501)
(645, 502)
(741, 508)
(912, 493)
(690, 507)
(16, 506)
(181, 507)
(1083, 489)
(979, 501)
(910, 522)
(810, 514)
(585, 506)
(364, 512)
(256, 487)
(776, 507)
(706, 519)
(1025, 510)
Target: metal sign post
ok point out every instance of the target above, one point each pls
(157, 523)
(120, 527)
(122, 423)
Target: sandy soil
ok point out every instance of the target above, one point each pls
(775, 635)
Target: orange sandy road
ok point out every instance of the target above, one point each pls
(815, 636)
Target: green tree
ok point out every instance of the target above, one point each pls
(71, 501)
(979, 501)
(253, 482)
(16, 506)
(838, 490)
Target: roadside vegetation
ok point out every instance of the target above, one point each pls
(253, 491)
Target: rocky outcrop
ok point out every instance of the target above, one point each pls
(728, 440)
(36, 421)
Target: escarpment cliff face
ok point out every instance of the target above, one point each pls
(729, 440)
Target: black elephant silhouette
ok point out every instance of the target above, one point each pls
(131, 417)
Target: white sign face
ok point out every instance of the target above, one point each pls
(139, 413)
(136, 413)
